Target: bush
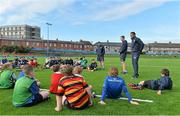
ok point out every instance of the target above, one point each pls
(16, 49)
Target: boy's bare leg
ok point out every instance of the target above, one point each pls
(89, 91)
(102, 64)
(59, 103)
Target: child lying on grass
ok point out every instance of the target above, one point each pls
(164, 83)
(113, 87)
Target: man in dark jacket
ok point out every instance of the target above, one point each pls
(137, 47)
(123, 53)
(100, 51)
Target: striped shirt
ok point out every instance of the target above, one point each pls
(73, 87)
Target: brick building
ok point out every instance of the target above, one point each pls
(163, 48)
(54, 45)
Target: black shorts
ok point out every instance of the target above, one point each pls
(123, 57)
(69, 106)
(38, 99)
(91, 67)
(100, 58)
(147, 84)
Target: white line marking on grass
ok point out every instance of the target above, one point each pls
(44, 90)
(139, 100)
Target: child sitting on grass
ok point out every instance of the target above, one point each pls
(113, 87)
(7, 77)
(93, 66)
(75, 89)
(77, 71)
(22, 74)
(163, 83)
(26, 92)
(83, 62)
(55, 77)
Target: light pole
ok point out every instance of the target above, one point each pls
(48, 25)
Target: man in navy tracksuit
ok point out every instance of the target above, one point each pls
(137, 47)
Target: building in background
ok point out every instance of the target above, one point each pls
(163, 48)
(20, 32)
(113, 47)
(30, 36)
(53, 45)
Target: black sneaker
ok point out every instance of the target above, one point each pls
(135, 76)
(94, 95)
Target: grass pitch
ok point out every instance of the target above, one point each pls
(166, 104)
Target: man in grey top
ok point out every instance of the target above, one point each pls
(137, 47)
(123, 53)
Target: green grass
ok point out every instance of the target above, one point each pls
(166, 104)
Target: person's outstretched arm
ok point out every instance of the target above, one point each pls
(104, 92)
(128, 95)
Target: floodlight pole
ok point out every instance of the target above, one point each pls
(48, 25)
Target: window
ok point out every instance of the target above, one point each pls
(12, 43)
(37, 44)
(62, 45)
(54, 45)
(27, 43)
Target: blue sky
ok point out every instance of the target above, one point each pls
(97, 20)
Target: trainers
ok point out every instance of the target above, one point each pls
(124, 72)
(93, 95)
(131, 84)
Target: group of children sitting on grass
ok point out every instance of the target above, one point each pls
(17, 62)
(82, 62)
(70, 88)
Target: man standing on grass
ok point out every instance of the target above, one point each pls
(137, 47)
(123, 53)
(100, 51)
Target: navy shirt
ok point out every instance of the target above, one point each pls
(124, 47)
(4, 61)
(100, 51)
(162, 83)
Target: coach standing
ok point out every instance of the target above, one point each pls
(100, 51)
(137, 47)
(123, 53)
